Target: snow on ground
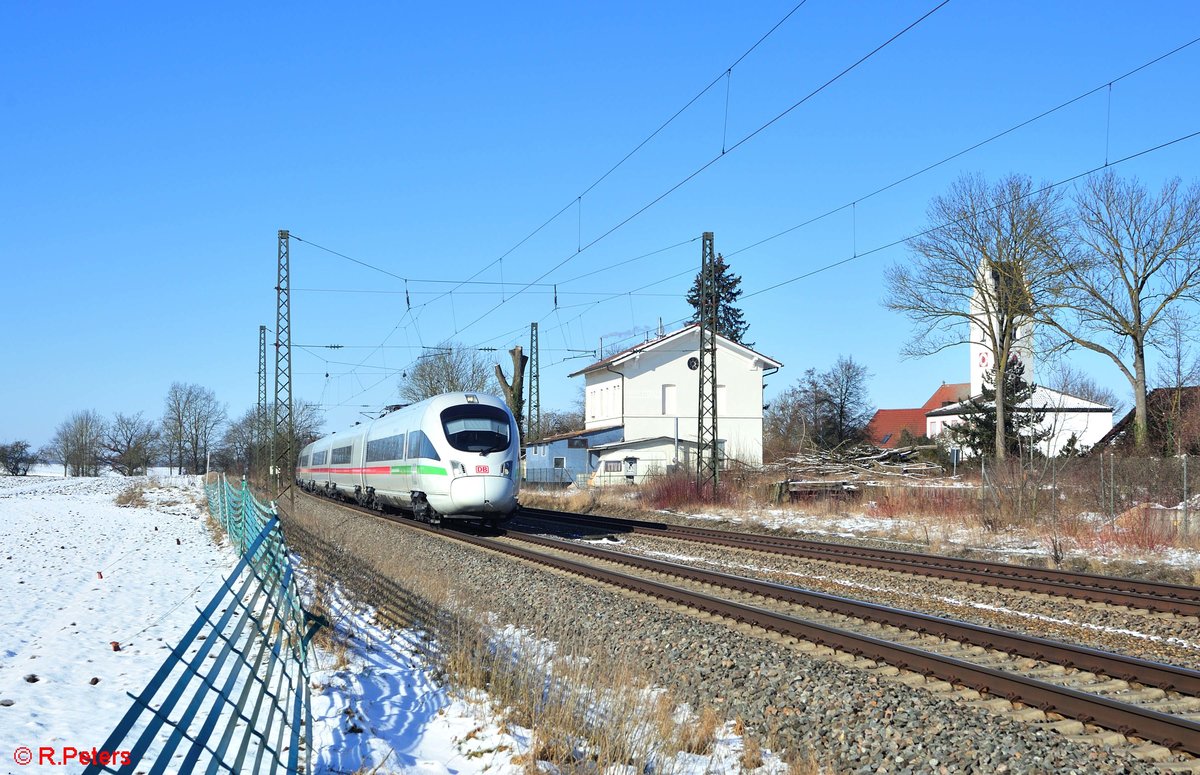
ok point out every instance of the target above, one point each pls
(380, 706)
(78, 572)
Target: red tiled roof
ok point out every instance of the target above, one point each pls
(889, 423)
(945, 395)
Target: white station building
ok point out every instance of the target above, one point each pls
(651, 393)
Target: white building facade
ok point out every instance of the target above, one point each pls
(652, 391)
(1065, 416)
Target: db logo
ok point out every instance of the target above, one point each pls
(482, 470)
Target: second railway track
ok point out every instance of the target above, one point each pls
(1174, 599)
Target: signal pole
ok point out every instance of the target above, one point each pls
(707, 463)
(260, 422)
(533, 417)
(285, 429)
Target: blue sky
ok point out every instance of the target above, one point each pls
(151, 153)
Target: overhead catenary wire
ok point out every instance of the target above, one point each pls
(678, 185)
(720, 156)
(1105, 85)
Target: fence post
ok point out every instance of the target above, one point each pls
(1187, 527)
(245, 498)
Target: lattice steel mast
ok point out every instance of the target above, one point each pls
(707, 463)
(260, 420)
(283, 461)
(533, 416)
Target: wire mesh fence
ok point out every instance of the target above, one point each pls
(233, 695)
(1157, 496)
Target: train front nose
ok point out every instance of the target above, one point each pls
(483, 494)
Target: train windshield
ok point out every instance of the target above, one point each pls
(476, 428)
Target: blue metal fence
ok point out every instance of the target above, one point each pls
(233, 696)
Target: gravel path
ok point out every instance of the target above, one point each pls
(849, 719)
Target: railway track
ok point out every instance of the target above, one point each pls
(1174, 599)
(1086, 685)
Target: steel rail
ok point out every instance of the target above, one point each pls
(1170, 731)
(1158, 674)
(1163, 598)
(1173, 732)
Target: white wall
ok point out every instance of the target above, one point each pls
(739, 396)
(1087, 427)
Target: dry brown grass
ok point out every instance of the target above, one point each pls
(804, 764)
(216, 531)
(700, 733)
(133, 496)
(751, 758)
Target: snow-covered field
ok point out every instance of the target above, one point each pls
(78, 573)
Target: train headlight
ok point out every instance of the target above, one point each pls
(506, 468)
(456, 468)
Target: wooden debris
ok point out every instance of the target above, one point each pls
(856, 463)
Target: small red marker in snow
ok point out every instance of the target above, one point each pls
(99, 574)
(115, 646)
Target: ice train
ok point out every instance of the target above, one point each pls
(453, 456)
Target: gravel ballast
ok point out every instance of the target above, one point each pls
(849, 719)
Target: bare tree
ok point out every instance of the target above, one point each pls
(556, 421)
(986, 264)
(239, 442)
(848, 408)
(514, 392)
(1134, 257)
(823, 409)
(1065, 378)
(203, 420)
(307, 421)
(78, 444)
(129, 443)
(449, 368)
(16, 458)
(792, 421)
(174, 422)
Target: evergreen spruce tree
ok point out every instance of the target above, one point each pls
(977, 429)
(731, 324)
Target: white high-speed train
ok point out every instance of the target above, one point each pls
(453, 456)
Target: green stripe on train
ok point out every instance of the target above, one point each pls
(430, 470)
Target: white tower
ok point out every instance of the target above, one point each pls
(982, 357)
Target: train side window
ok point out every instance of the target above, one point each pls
(387, 448)
(319, 458)
(341, 456)
(419, 445)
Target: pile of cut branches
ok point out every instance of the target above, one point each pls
(862, 461)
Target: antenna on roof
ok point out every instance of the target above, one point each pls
(661, 332)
